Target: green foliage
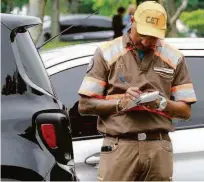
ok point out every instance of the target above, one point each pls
(195, 4)
(3, 6)
(86, 6)
(194, 20)
(48, 7)
(63, 7)
(192, 4)
(109, 7)
(9, 4)
(20, 3)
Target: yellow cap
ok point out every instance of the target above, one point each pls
(151, 19)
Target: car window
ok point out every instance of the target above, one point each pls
(87, 25)
(75, 29)
(32, 62)
(99, 22)
(95, 24)
(9, 72)
(195, 67)
(66, 84)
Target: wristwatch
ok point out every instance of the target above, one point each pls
(117, 106)
(162, 103)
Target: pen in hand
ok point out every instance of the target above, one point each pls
(122, 79)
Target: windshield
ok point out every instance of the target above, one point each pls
(32, 62)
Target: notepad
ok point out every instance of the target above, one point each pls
(144, 98)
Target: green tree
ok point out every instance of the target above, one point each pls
(192, 4)
(194, 20)
(173, 13)
(55, 19)
(19, 3)
(86, 6)
(8, 5)
(63, 6)
(109, 8)
(4, 5)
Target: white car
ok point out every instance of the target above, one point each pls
(67, 67)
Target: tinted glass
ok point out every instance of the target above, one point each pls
(66, 84)
(11, 81)
(12, 85)
(88, 25)
(8, 66)
(98, 22)
(32, 62)
(195, 67)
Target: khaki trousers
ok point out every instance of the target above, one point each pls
(132, 160)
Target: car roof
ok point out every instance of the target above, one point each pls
(187, 43)
(15, 21)
(188, 46)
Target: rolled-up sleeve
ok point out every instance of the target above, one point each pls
(95, 81)
(182, 88)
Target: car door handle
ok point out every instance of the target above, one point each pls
(93, 160)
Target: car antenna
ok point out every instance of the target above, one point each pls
(65, 30)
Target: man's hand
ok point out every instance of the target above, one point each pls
(175, 109)
(131, 94)
(134, 92)
(151, 105)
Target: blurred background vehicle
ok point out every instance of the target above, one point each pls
(34, 122)
(67, 67)
(95, 27)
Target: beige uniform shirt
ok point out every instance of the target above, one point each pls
(163, 69)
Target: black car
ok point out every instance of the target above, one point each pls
(36, 142)
(96, 27)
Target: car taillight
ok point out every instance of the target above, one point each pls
(49, 135)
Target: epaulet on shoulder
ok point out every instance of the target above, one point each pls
(169, 54)
(112, 50)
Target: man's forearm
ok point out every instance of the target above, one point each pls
(94, 106)
(112, 104)
(178, 109)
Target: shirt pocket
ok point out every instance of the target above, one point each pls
(165, 74)
(162, 81)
